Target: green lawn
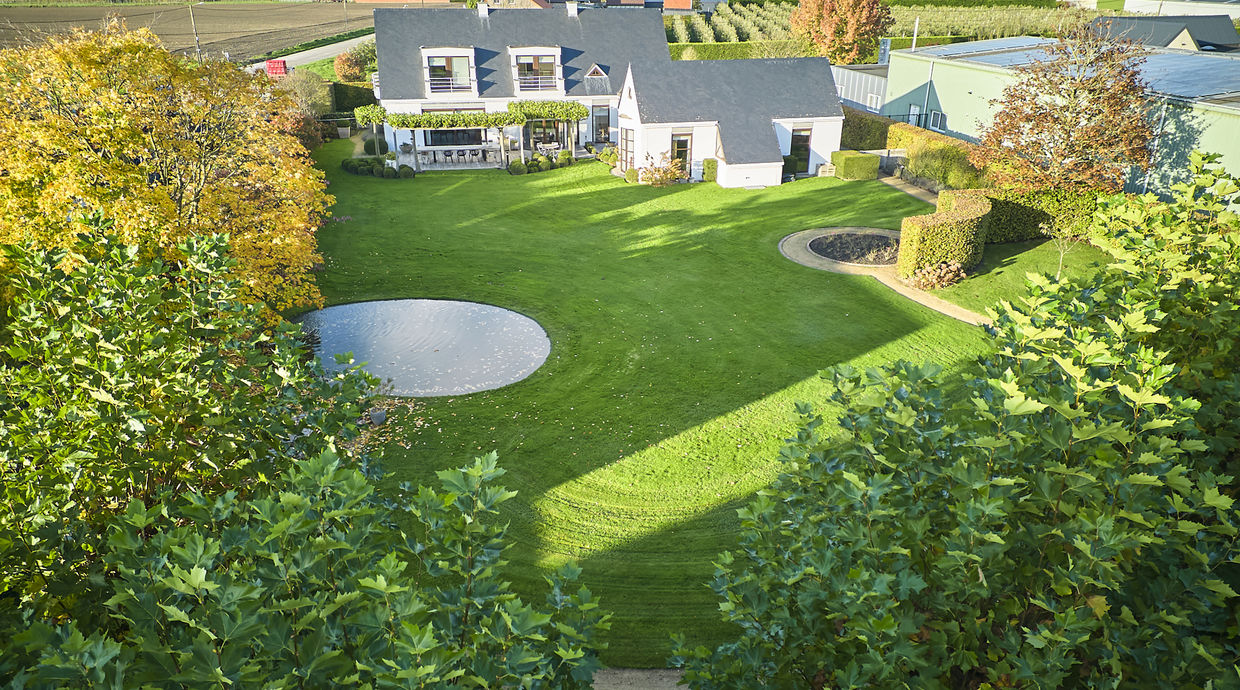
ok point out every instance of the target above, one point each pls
(1001, 274)
(325, 68)
(680, 340)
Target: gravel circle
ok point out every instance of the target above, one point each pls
(855, 248)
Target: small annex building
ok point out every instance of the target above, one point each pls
(746, 114)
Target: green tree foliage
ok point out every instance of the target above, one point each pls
(312, 584)
(176, 513)
(124, 378)
(1064, 519)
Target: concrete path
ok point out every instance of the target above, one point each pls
(928, 197)
(637, 679)
(796, 248)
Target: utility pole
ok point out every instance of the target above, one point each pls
(345, 5)
(194, 26)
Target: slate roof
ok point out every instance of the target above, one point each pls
(612, 39)
(1216, 31)
(743, 96)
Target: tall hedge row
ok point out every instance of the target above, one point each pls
(1019, 216)
(742, 50)
(936, 157)
(349, 95)
(955, 232)
(863, 130)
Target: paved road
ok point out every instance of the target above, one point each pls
(305, 57)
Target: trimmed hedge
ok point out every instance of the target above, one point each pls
(936, 156)
(517, 168)
(743, 50)
(710, 170)
(864, 130)
(956, 232)
(854, 165)
(349, 95)
(1018, 216)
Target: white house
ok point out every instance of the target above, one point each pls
(746, 114)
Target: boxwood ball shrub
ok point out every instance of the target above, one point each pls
(710, 170)
(956, 232)
(389, 173)
(516, 168)
(630, 175)
(544, 165)
(405, 172)
(565, 158)
(370, 147)
(854, 165)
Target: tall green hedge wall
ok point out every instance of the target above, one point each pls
(863, 130)
(955, 232)
(1019, 216)
(347, 95)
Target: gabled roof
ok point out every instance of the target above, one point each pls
(610, 39)
(1215, 31)
(743, 96)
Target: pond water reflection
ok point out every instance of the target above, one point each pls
(429, 347)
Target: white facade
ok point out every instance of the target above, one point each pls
(653, 140)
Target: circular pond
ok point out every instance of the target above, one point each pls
(426, 347)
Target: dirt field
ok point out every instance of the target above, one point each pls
(241, 30)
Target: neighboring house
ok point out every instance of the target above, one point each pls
(746, 114)
(678, 7)
(1188, 32)
(1194, 97)
(1167, 7)
(863, 87)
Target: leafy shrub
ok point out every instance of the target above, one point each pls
(630, 175)
(565, 158)
(516, 168)
(590, 148)
(947, 166)
(175, 385)
(863, 130)
(955, 233)
(937, 276)
(370, 146)
(854, 165)
(319, 562)
(790, 165)
(544, 165)
(348, 165)
(1062, 519)
(406, 172)
(389, 172)
(661, 173)
(609, 155)
(710, 170)
(349, 67)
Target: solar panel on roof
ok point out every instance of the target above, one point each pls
(1009, 59)
(1191, 75)
(961, 49)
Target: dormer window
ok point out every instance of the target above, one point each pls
(536, 73)
(448, 74)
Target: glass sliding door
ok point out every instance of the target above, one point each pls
(798, 153)
(602, 124)
(682, 150)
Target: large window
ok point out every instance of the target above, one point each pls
(602, 123)
(536, 72)
(448, 74)
(626, 148)
(798, 152)
(682, 149)
(454, 137)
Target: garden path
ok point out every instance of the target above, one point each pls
(796, 248)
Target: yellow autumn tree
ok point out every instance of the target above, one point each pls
(166, 147)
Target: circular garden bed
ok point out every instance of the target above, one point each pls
(857, 248)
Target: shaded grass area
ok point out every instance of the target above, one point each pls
(680, 336)
(1001, 274)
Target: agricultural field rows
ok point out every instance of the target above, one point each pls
(770, 22)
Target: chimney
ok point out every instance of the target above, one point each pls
(483, 10)
(571, 6)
